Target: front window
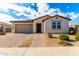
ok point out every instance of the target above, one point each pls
(56, 25)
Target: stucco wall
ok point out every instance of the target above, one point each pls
(64, 25)
(77, 28)
(39, 21)
(48, 25)
(13, 27)
(2, 28)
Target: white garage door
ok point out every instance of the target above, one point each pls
(24, 28)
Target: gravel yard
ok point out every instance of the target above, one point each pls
(31, 40)
(22, 40)
(13, 40)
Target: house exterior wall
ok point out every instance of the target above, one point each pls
(13, 27)
(64, 25)
(47, 23)
(39, 21)
(2, 28)
(77, 28)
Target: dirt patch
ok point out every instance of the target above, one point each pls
(27, 42)
(15, 40)
(52, 42)
(66, 43)
(39, 40)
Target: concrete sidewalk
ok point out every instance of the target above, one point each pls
(52, 51)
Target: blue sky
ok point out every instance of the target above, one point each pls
(24, 11)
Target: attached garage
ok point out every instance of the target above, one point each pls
(24, 28)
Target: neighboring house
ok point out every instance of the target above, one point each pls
(1, 27)
(73, 25)
(77, 27)
(43, 24)
(4, 26)
(8, 28)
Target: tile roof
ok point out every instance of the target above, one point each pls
(57, 16)
(31, 21)
(22, 21)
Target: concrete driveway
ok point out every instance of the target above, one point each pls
(12, 39)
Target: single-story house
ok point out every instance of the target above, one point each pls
(43, 24)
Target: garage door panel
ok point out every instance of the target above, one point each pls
(24, 28)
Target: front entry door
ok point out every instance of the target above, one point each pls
(38, 27)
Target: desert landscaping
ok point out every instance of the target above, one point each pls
(35, 40)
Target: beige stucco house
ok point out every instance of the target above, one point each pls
(43, 24)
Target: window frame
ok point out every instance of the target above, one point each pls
(56, 24)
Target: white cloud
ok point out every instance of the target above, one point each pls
(73, 15)
(6, 18)
(33, 4)
(18, 8)
(15, 7)
(43, 9)
(19, 14)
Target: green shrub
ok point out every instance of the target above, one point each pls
(77, 37)
(72, 31)
(64, 37)
(50, 35)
